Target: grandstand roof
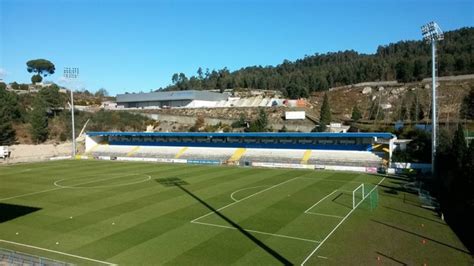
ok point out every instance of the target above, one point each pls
(248, 135)
(171, 96)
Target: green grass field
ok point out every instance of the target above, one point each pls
(94, 212)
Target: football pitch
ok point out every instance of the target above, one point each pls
(104, 213)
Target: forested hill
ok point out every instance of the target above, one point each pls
(404, 61)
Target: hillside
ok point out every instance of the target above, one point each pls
(405, 61)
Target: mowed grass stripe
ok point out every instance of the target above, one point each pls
(169, 253)
(38, 182)
(95, 221)
(154, 227)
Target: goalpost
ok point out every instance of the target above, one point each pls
(358, 195)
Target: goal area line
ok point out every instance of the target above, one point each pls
(339, 224)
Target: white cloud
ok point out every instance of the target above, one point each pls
(3, 73)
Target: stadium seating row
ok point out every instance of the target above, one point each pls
(320, 157)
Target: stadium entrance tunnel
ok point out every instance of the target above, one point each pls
(179, 183)
(11, 211)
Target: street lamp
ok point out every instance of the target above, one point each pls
(431, 33)
(72, 73)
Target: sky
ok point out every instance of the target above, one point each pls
(136, 45)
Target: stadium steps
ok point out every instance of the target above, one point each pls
(91, 150)
(237, 155)
(133, 151)
(306, 156)
(183, 150)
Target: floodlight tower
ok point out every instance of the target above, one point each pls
(432, 33)
(71, 73)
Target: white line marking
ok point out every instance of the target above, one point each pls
(324, 214)
(232, 195)
(322, 257)
(58, 187)
(57, 252)
(259, 232)
(320, 201)
(31, 193)
(339, 224)
(148, 177)
(249, 196)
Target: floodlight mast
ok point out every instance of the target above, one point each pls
(72, 73)
(432, 33)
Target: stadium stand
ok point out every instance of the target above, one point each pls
(318, 149)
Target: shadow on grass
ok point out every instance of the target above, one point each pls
(179, 183)
(340, 201)
(10, 211)
(416, 215)
(392, 258)
(422, 236)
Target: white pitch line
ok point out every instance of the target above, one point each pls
(322, 257)
(31, 193)
(320, 201)
(58, 187)
(324, 214)
(249, 196)
(232, 195)
(259, 232)
(339, 224)
(57, 252)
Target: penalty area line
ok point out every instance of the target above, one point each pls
(339, 224)
(249, 196)
(314, 205)
(57, 252)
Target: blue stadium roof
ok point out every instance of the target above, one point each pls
(248, 135)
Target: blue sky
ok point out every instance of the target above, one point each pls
(137, 45)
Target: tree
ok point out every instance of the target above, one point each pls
(404, 70)
(294, 91)
(260, 124)
(467, 106)
(51, 97)
(41, 67)
(403, 111)
(39, 122)
(356, 114)
(7, 133)
(15, 86)
(325, 114)
(36, 79)
(3, 86)
(459, 147)
(101, 93)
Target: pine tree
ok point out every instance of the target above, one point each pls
(403, 111)
(7, 133)
(459, 147)
(8, 109)
(39, 122)
(325, 115)
(356, 114)
(467, 106)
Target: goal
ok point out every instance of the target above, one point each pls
(358, 195)
(362, 192)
